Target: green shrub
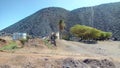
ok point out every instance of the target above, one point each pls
(105, 35)
(47, 43)
(10, 46)
(65, 37)
(23, 41)
(87, 33)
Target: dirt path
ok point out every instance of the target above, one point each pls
(70, 46)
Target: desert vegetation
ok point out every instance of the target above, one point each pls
(10, 46)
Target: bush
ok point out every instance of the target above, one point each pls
(23, 41)
(105, 35)
(10, 46)
(65, 37)
(47, 43)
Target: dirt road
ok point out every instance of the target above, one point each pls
(103, 48)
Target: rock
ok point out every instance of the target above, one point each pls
(99, 63)
(71, 63)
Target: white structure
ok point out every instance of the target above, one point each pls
(57, 34)
(18, 36)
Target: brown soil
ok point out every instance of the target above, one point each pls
(3, 42)
(67, 54)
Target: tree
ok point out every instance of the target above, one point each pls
(105, 35)
(87, 33)
(61, 28)
(108, 35)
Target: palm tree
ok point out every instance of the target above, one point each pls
(61, 28)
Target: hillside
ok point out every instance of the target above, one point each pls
(43, 22)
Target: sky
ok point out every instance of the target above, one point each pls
(12, 11)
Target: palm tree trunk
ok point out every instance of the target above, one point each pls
(60, 34)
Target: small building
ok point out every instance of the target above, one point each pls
(19, 36)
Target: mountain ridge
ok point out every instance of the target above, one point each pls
(104, 17)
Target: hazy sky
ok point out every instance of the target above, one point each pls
(12, 11)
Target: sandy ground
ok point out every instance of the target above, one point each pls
(65, 49)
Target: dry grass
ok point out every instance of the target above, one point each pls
(36, 55)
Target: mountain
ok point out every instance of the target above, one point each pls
(105, 17)
(41, 23)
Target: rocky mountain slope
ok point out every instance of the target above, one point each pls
(105, 17)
